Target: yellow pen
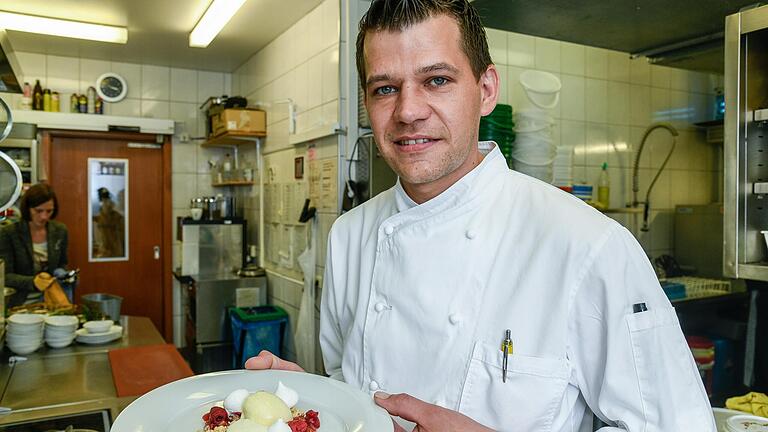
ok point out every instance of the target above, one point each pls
(506, 348)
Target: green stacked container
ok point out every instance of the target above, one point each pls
(498, 126)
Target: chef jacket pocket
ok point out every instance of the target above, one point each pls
(663, 362)
(528, 401)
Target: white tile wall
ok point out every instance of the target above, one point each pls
(305, 68)
(606, 103)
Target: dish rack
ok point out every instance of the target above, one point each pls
(696, 287)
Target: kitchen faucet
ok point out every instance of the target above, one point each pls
(636, 182)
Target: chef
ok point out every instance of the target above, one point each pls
(34, 246)
(469, 296)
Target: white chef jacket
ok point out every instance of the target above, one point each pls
(417, 298)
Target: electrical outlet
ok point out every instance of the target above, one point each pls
(184, 137)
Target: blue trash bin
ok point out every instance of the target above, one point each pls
(256, 329)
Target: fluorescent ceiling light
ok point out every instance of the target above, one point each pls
(214, 19)
(58, 27)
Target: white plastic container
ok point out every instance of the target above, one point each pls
(542, 88)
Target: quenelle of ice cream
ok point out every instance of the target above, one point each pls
(265, 408)
(247, 425)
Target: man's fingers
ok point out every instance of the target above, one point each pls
(405, 406)
(267, 360)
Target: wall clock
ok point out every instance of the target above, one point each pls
(111, 87)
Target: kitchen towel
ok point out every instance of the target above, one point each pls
(137, 370)
(753, 402)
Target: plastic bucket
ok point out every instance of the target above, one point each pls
(108, 304)
(541, 172)
(541, 135)
(542, 88)
(532, 121)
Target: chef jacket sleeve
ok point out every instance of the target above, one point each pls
(634, 370)
(331, 341)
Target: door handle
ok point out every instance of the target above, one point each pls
(156, 249)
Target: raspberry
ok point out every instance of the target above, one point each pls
(298, 425)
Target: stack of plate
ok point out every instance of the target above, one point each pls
(24, 333)
(99, 332)
(60, 330)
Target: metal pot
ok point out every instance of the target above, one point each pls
(7, 294)
(251, 270)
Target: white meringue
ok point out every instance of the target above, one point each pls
(279, 426)
(287, 394)
(234, 401)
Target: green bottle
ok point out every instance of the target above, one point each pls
(604, 187)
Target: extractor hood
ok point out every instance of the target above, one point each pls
(679, 33)
(9, 67)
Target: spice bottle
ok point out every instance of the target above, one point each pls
(37, 97)
(74, 103)
(55, 102)
(91, 100)
(46, 100)
(83, 104)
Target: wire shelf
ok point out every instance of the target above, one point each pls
(696, 287)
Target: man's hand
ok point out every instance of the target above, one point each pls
(428, 417)
(267, 360)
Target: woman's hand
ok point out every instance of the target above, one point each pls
(428, 417)
(267, 360)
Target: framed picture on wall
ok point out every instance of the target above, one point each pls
(298, 167)
(107, 209)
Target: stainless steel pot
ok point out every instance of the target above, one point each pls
(7, 293)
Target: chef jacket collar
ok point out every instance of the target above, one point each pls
(492, 162)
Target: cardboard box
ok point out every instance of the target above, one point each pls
(238, 120)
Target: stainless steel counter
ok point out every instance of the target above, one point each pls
(75, 379)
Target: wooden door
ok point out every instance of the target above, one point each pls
(142, 277)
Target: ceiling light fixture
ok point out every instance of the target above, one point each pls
(214, 19)
(65, 28)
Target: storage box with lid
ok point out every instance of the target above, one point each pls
(239, 121)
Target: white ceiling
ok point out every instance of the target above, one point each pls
(158, 30)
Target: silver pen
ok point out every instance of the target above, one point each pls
(506, 348)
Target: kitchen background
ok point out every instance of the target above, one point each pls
(607, 102)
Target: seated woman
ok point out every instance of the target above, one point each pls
(34, 244)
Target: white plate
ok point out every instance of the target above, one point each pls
(99, 338)
(180, 405)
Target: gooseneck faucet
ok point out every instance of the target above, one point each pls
(635, 169)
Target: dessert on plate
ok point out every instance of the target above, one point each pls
(262, 411)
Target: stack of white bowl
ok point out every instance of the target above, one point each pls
(60, 330)
(24, 333)
(534, 149)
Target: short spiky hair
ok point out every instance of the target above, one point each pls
(397, 15)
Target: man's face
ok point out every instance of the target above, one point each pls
(425, 103)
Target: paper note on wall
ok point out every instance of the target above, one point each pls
(323, 184)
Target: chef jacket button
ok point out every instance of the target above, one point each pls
(373, 386)
(388, 230)
(380, 306)
(454, 318)
(471, 234)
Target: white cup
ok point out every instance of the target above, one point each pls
(196, 213)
